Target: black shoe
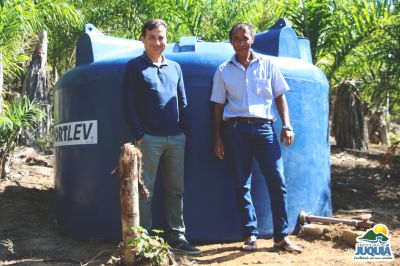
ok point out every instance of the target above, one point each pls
(184, 248)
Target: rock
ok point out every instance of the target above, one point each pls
(39, 160)
(349, 236)
(23, 152)
(315, 230)
(16, 176)
(364, 217)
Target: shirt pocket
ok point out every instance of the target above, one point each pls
(262, 87)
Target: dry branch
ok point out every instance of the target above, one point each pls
(391, 152)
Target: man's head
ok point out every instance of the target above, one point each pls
(151, 24)
(154, 37)
(241, 37)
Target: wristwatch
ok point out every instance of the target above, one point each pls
(287, 127)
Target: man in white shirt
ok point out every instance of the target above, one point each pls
(244, 90)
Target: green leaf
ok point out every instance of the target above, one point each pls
(158, 231)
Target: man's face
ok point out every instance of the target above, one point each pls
(155, 41)
(241, 41)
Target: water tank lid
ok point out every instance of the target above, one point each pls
(280, 24)
(187, 44)
(91, 29)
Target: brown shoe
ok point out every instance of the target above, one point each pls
(286, 245)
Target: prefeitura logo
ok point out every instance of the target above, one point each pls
(374, 245)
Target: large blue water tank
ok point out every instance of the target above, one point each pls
(90, 128)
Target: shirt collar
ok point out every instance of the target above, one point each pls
(255, 57)
(164, 61)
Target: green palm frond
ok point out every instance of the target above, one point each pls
(5, 123)
(25, 113)
(19, 114)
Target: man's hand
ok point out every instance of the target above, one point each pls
(287, 137)
(219, 144)
(219, 148)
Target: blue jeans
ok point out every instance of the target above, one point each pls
(243, 142)
(168, 153)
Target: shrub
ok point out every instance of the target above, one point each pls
(151, 250)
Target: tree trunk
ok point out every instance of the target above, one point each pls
(377, 129)
(348, 120)
(6, 156)
(130, 170)
(5, 167)
(1, 81)
(36, 85)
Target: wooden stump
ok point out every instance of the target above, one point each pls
(36, 87)
(377, 129)
(348, 120)
(130, 170)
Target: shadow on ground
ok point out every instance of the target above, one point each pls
(29, 234)
(363, 184)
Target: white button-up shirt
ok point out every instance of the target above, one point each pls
(251, 92)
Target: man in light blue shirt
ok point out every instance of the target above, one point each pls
(244, 90)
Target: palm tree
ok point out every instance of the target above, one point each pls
(13, 28)
(19, 23)
(336, 27)
(19, 114)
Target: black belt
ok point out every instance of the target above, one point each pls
(250, 120)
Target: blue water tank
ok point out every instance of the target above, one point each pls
(90, 128)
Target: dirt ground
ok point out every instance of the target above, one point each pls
(29, 234)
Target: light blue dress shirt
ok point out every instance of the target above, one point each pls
(251, 92)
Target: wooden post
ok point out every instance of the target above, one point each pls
(130, 169)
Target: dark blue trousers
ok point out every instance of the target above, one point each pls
(243, 142)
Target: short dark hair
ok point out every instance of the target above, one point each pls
(242, 26)
(151, 24)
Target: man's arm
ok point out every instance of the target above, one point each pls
(130, 81)
(182, 100)
(287, 136)
(219, 144)
(218, 97)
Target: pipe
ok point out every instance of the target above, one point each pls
(309, 218)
